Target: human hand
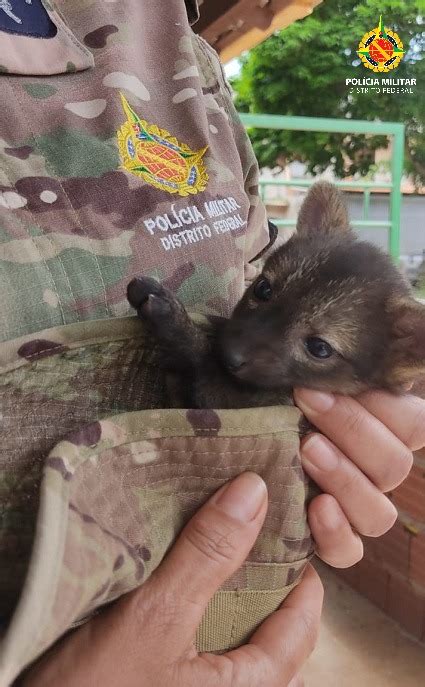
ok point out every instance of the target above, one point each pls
(365, 450)
(146, 638)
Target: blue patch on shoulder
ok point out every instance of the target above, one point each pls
(26, 18)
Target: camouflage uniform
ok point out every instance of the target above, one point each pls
(120, 154)
(76, 224)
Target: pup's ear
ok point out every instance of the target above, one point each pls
(323, 210)
(407, 347)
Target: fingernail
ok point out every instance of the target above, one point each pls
(312, 402)
(316, 451)
(242, 498)
(330, 517)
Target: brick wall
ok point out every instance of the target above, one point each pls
(392, 572)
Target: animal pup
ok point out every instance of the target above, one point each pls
(328, 312)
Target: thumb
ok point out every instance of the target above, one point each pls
(212, 546)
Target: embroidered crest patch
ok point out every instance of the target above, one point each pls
(26, 18)
(155, 155)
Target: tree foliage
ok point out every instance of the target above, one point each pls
(302, 71)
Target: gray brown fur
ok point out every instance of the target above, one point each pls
(325, 283)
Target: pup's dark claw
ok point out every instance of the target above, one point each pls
(155, 307)
(140, 288)
(152, 301)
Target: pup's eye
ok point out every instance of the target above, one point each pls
(263, 289)
(318, 348)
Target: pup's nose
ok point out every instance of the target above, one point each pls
(234, 360)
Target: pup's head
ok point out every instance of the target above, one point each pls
(328, 312)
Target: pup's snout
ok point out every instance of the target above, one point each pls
(234, 360)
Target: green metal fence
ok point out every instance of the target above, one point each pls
(346, 126)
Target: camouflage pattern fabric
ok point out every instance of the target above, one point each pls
(113, 485)
(120, 153)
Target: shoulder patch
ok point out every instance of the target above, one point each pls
(26, 18)
(155, 155)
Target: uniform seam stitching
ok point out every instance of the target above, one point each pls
(33, 242)
(75, 214)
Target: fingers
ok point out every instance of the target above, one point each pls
(403, 415)
(361, 436)
(284, 641)
(297, 682)
(211, 547)
(336, 543)
(367, 509)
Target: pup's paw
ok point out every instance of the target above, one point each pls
(151, 300)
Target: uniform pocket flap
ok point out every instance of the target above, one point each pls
(115, 495)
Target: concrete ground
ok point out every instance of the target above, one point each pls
(359, 646)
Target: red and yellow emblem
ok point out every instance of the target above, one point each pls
(381, 49)
(155, 155)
